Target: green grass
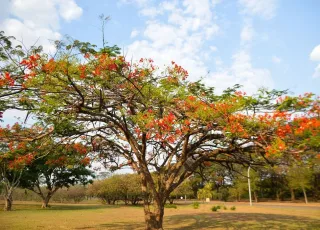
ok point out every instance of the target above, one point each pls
(94, 216)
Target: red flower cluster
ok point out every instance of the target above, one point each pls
(6, 80)
(32, 62)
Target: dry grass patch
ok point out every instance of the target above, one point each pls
(93, 216)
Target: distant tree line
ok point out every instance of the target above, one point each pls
(299, 182)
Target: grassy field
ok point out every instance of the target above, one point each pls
(94, 216)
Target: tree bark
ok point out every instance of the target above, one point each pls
(45, 201)
(278, 195)
(305, 195)
(8, 203)
(255, 196)
(293, 198)
(154, 220)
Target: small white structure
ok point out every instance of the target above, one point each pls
(207, 199)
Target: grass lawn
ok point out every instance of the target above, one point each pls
(94, 216)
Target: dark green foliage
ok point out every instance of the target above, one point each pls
(51, 172)
(115, 188)
(233, 208)
(170, 206)
(54, 176)
(196, 205)
(224, 194)
(214, 208)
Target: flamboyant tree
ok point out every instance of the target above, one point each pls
(12, 73)
(29, 161)
(58, 165)
(158, 123)
(16, 153)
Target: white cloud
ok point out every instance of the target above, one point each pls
(219, 63)
(215, 2)
(241, 72)
(134, 33)
(315, 54)
(5, 9)
(181, 38)
(200, 9)
(29, 34)
(212, 31)
(317, 72)
(263, 8)
(140, 3)
(42, 13)
(213, 48)
(69, 10)
(150, 12)
(276, 59)
(247, 33)
(168, 5)
(37, 21)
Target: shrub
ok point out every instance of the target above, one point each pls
(225, 208)
(170, 206)
(195, 205)
(218, 207)
(214, 208)
(233, 208)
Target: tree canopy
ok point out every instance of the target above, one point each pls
(159, 123)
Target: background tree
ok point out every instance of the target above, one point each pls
(76, 193)
(134, 194)
(184, 190)
(15, 154)
(300, 178)
(108, 190)
(205, 192)
(126, 187)
(59, 165)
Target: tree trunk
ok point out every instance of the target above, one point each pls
(305, 195)
(154, 220)
(293, 198)
(255, 196)
(278, 195)
(45, 201)
(8, 203)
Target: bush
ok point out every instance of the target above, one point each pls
(233, 208)
(195, 205)
(218, 207)
(214, 208)
(170, 206)
(225, 208)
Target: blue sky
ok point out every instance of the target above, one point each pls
(269, 43)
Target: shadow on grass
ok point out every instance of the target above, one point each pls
(240, 221)
(224, 221)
